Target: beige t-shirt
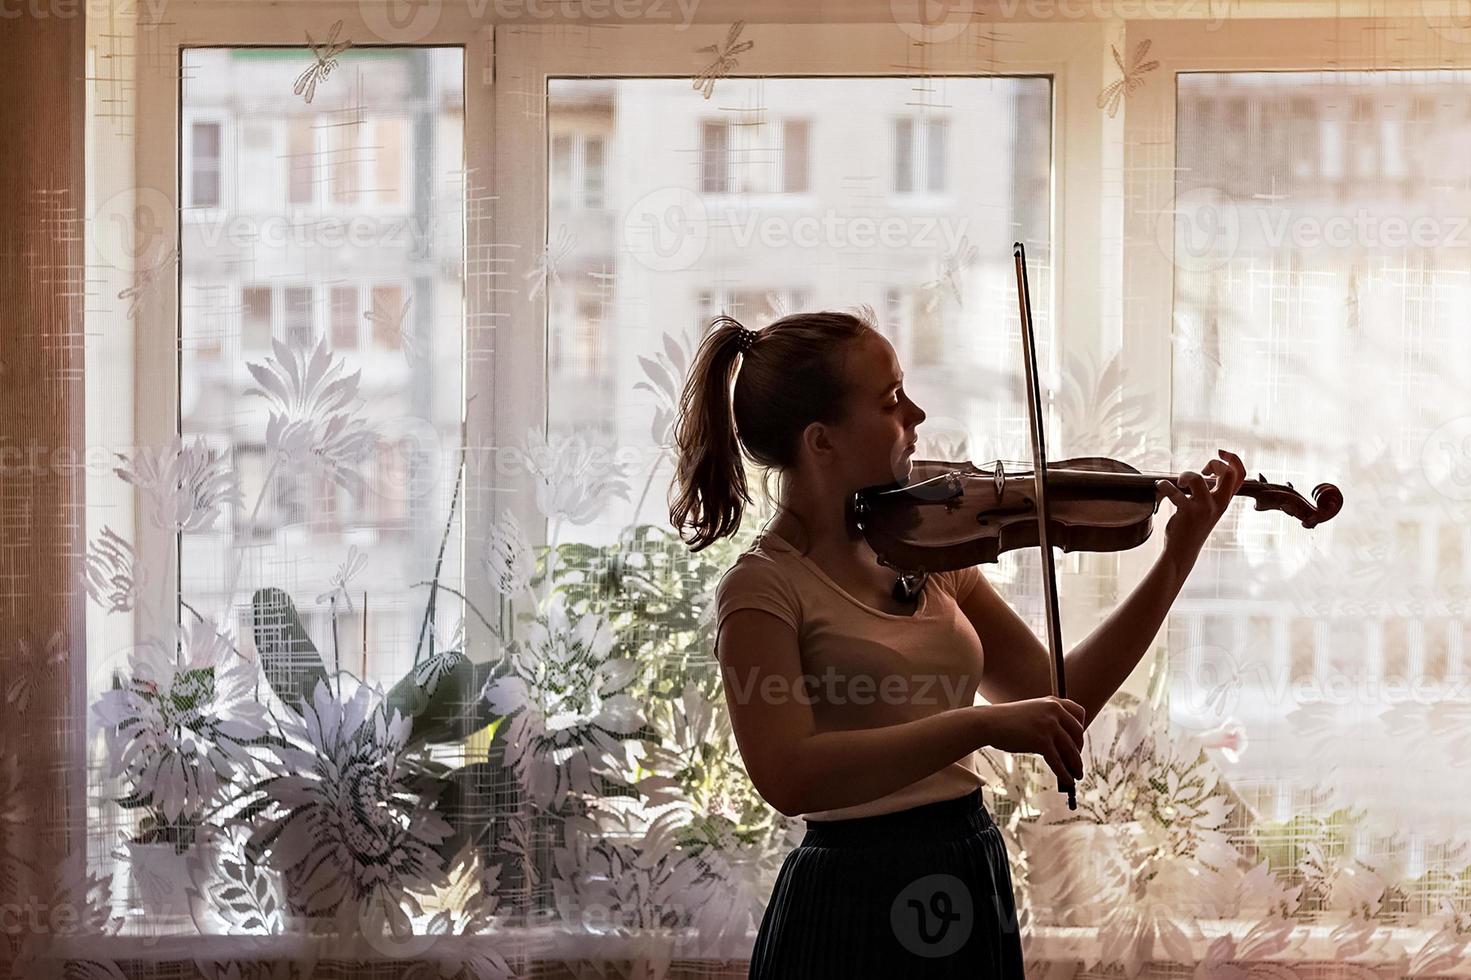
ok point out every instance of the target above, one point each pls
(867, 668)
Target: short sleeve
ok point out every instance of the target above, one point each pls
(754, 582)
(963, 581)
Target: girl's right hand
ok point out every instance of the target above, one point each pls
(1051, 727)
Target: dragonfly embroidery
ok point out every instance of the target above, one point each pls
(326, 59)
(144, 282)
(725, 59)
(548, 266)
(1132, 78)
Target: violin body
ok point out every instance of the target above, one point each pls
(951, 515)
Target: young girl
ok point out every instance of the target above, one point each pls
(852, 701)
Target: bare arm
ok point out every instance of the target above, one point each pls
(799, 770)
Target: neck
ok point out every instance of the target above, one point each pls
(820, 523)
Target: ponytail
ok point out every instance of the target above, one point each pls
(791, 374)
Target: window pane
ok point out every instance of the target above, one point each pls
(935, 155)
(388, 156)
(339, 476)
(1320, 286)
(206, 165)
(794, 156)
(592, 173)
(255, 318)
(623, 304)
(346, 162)
(560, 171)
(714, 162)
(389, 311)
(903, 155)
(301, 161)
(345, 318)
(298, 316)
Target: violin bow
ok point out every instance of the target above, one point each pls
(1039, 471)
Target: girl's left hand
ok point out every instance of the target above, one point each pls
(1198, 510)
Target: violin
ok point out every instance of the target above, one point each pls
(951, 515)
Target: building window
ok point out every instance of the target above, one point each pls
(795, 177)
(755, 157)
(298, 316)
(345, 318)
(204, 170)
(301, 160)
(389, 310)
(346, 162)
(592, 172)
(920, 150)
(754, 308)
(577, 177)
(587, 359)
(714, 157)
(255, 318)
(388, 161)
(560, 178)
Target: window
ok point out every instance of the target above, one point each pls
(753, 155)
(920, 147)
(1322, 295)
(592, 172)
(298, 316)
(575, 177)
(204, 165)
(394, 123)
(794, 156)
(714, 157)
(255, 318)
(388, 155)
(388, 314)
(345, 318)
(560, 176)
(301, 160)
(346, 161)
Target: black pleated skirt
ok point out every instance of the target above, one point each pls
(923, 892)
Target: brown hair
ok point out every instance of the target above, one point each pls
(791, 377)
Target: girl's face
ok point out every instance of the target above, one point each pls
(879, 434)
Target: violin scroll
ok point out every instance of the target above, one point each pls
(1326, 503)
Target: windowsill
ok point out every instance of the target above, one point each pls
(1047, 943)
